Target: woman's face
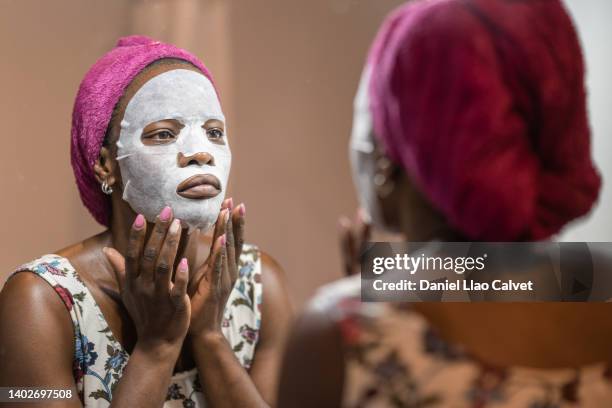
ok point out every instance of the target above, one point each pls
(173, 150)
(384, 189)
(363, 153)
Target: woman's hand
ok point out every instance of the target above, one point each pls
(353, 239)
(159, 307)
(214, 280)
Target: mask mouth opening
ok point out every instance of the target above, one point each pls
(200, 186)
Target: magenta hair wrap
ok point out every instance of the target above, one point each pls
(482, 102)
(98, 94)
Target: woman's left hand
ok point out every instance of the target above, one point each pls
(213, 281)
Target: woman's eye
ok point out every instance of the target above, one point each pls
(215, 133)
(163, 135)
(159, 137)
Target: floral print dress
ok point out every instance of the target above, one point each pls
(99, 359)
(394, 358)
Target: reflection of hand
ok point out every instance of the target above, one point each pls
(214, 280)
(353, 238)
(159, 308)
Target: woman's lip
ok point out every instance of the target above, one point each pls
(199, 186)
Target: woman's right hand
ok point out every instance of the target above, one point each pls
(159, 308)
(353, 239)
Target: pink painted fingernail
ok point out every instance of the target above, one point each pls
(242, 209)
(139, 222)
(165, 214)
(222, 238)
(230, 203)
(182, 266)
(363, 216)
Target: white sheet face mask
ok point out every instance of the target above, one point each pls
(361, 152)
(151, 173)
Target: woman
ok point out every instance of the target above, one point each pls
(470, 125)
(182, 319)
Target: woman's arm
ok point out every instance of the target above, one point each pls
(36, 339)
(37, 349)
(36, 334)
(225, 381)
(312, 372)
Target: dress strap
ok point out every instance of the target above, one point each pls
(62, 277)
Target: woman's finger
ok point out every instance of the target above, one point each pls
(206, 272)
(230, 251)
(218, 231)
(118, 263)
(347, 244)
(217, 271)
(134, 247)
(223, 278)
(226, 205)
(362, 233)
(238, 217)
(181, 279)
(220, 225)
(151, 250)
(167, 255)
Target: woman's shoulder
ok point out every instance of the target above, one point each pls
(336, 309)
(342, 298)
(34, 323)
(322, 320)
(29, 304)
(48, 277)
(29, 288)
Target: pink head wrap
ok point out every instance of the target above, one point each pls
(99, 93)
(483, 104)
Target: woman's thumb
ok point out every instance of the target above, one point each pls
(117, 261)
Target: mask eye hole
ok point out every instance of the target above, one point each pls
(161, 132)
(163, 136)
(215, 133)
(215, 130)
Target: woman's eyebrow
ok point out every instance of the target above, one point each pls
(173, 122)
(215, 122)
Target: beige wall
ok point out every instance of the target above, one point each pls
(46, 49)
(287, 72)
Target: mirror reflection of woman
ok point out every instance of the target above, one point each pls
(470, 124)
(152, 311)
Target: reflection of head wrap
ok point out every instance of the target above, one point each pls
(483, 103)
(98, 94)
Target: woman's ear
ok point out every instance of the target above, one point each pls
(104, 168)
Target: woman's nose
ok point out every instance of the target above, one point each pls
(200, 159)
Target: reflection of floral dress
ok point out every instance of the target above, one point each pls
(99, 359)
(395, 359)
